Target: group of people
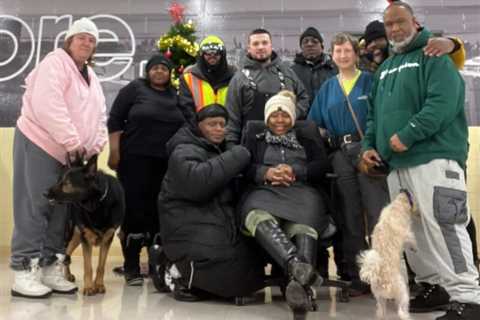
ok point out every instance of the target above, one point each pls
(229, 174)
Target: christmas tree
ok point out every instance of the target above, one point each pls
(178, 44)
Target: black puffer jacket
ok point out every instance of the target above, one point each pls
(313, 74)
(197, 217)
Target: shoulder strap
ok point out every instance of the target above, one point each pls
(352, 112)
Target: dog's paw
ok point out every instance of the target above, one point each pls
(89, 291)
(100, 288)
(70, 277)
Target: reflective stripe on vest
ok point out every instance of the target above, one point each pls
(203, 93)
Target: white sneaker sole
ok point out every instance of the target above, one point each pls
(22, 295)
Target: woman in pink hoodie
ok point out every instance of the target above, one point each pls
(63, 112)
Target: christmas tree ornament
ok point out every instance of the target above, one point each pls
(176, 12)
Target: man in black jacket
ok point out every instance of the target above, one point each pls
(313, 66)
(263, 75)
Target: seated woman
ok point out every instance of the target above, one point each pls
(198, 226)
(280, 203)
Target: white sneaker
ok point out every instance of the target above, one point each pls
(27, 282)
(54, 277)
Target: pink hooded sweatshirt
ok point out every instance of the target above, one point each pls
(60, 111)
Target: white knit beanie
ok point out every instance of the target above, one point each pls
(83, 25)
(284, 101)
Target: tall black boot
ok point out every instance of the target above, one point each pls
(301, 274)
(307, 248)
(133, 245)
(272, 238)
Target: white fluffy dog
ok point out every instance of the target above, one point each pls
(381, 265)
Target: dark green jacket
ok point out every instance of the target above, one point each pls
(421, 99)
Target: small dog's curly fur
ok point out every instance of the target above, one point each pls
(381, 265)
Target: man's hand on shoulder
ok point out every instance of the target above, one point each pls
(439, 46)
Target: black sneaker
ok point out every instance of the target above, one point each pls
(133, 279)
(182, 293)
(461, 311)
(430, 298)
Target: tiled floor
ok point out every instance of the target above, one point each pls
(137, 303)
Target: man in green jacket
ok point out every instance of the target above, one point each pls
(417, 124)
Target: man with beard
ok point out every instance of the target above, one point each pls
(377, 51)
(262, 76)
(417, 124)
(312, 65)
(206, 82)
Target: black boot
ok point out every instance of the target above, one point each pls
(307, 248)
(157, 262)
(133, 246)
(301, 274)
(272, 238)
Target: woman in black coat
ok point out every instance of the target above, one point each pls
(198, 226)
(144, 116)
(281, 202)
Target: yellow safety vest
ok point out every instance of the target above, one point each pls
(203, 93)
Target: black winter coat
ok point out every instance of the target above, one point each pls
(198, 225)
(313, 74)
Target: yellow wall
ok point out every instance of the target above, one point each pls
(6, 222)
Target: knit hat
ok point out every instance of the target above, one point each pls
(212, 43)
(158, 59)
(211, 111)
(311, 32)
(374, 30)
(83, 25)
(285, 101)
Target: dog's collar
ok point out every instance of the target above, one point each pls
(409, 196)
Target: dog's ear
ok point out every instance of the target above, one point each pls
(91, 167)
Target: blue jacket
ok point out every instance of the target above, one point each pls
(330, 110)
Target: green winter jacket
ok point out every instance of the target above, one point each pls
(421, 99)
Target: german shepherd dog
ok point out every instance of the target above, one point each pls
(97, 205)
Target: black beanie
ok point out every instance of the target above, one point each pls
(212, 110)
(311, 32)
(374, 30)
(158, 59)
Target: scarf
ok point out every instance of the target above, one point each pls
(287, 140)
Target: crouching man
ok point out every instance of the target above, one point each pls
(198, 227)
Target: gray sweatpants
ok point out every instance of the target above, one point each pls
(39, 228)
(443, 252)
